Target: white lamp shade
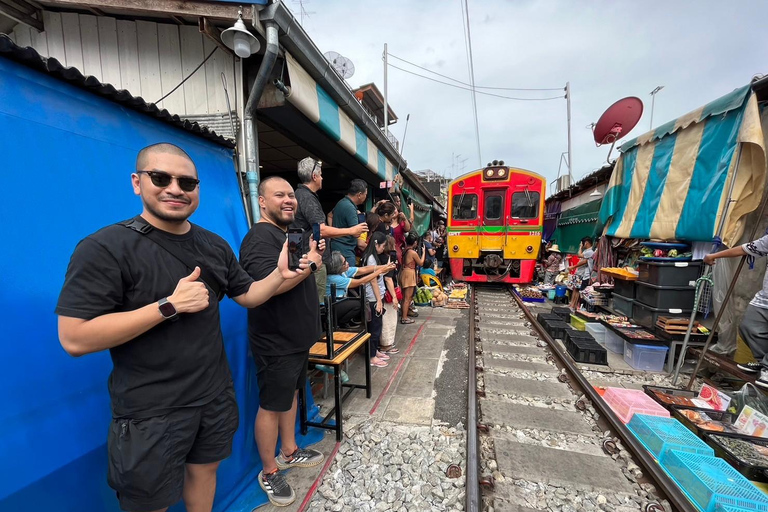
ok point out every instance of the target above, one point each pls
(242, 45)
(239, 39)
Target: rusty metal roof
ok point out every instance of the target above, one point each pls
(50, 66)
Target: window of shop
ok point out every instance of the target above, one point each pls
(465, 207)
(525, 205)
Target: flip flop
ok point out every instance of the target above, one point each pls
(380, 364)
(390, 349)
(408, 321)
(383, 356)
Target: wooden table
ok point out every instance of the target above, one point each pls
(318, 355)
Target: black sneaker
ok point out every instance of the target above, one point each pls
(278, 491)
(301, 458)
(749, 367)
(762, 381)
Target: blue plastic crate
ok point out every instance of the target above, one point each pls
(728, 508)
(711, 482)
(660, 435)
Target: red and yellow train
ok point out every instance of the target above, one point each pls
(495, 224)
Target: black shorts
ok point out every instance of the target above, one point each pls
(147, 457)
(278, 378)
(584, 283)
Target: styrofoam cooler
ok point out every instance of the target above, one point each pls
(597, 331)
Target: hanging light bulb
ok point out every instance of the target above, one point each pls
(239, 39)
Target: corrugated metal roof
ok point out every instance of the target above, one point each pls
(50, 66)
(219, 123)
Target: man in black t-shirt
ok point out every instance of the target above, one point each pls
(281, 333)
(173, 404)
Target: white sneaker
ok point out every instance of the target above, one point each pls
(762, 381)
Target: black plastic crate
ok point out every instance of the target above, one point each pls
(587, 351)
(755, 472)
(622, 305)
(674, 273)
(563, 313)
(556, 329)
(546, 316)
(665, 297)
(571, 335)
(647, 316)
(624, 287)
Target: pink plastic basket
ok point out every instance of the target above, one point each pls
(626, 402)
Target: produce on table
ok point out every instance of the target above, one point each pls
(674, 400)
(747, 452)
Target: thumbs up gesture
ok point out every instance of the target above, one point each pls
(190, 295)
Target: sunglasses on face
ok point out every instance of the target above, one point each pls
(163, 179)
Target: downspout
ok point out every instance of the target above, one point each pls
(251, 133)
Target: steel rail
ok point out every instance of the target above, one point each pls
(672, 492)
(472, 500)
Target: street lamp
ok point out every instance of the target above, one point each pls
(239, 39)
(653, 101)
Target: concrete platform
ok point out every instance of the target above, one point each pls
(512, 385)
(526, 416)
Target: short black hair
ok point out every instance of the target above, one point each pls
(357, 186)
(160, 147)
(587, 239)
(263, 182)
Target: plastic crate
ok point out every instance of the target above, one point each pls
(647, 316)
(710, 482)
(675, 273)
(597, 331)
(557, 329)
(645, 357)
(587, 351)
(665, 297)
(752, 472)
(578, 323)
(563, 313)
(628, 402)
(613, 341)
(622, 305)
(659, 435)
(624, 287)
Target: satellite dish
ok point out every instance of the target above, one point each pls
(341, 64)
(617, 121)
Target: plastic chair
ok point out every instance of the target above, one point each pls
(431, 281)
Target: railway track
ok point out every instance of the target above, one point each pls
(539, 435)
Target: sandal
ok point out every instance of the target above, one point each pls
(391, 349)
(379, 364)
(413, 313)
(407, 321)
(381, 355)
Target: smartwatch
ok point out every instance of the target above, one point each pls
(313, 266)
(167, 310)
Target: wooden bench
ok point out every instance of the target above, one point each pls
(355, 342)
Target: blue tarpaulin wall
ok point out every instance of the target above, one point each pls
(67, 159)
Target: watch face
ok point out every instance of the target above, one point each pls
(312, 266)
(167, 309)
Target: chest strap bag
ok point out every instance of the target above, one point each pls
(145, 229)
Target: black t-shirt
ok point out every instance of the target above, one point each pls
(288, 323)
(174, 364)
(309, 212)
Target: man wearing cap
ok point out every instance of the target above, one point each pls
(310, 211)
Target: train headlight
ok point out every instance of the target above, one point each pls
(502, 173)
(529, 249)
(489, 173)
(455, 248)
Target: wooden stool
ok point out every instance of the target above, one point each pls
(317, 355)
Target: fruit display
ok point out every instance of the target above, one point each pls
(746, 451)
(422, 296)
(704, 422)
(529, 293)
(439, 298)
(659, 252)
(666, 398)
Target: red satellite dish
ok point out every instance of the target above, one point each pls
(618, 120)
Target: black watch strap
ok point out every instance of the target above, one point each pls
(167, 309)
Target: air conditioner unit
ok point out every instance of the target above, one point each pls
(563, 183)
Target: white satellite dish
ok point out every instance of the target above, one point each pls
(341, 64)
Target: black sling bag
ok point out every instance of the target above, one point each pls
(146, 229)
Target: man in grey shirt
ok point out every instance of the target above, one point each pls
(583, 268)
(754, 325)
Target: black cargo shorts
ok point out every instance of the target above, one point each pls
(147, 457)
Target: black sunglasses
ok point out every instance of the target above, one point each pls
(163, 179)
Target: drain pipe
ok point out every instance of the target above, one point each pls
(251, 133)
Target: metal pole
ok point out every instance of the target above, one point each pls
(653, 103)
(758, 222)
(386, 105)
(570, 155)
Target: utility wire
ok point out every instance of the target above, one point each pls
(190, 75)
(469, 88)
(476, 86)
(468, 36)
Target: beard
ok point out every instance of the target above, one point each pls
(174, 218)
(278, 217)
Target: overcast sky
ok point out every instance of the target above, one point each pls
(698, 50)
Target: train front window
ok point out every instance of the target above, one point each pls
(465, 207)
(493, 207)
(525, 205)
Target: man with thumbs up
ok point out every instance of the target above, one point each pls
(148, 290)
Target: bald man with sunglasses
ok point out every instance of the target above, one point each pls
(148, 290)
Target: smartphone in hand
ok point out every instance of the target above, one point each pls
(316, 232)
(360, 218)
(295, 244)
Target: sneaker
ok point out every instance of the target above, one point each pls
(762, 381)
(301, 458)
(278, 491)
(749, 367)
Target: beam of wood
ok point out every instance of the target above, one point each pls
(21, 5)
(212, 32)
(178, 20)
(163, 8)
(19, 16)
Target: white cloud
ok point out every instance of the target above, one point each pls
(699, 50)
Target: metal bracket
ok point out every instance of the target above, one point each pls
(480, 393)
(488, 483)
(482, 427)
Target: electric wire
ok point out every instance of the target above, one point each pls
(476, 86)
(468, 39)
(469, 88)
(189, 75)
